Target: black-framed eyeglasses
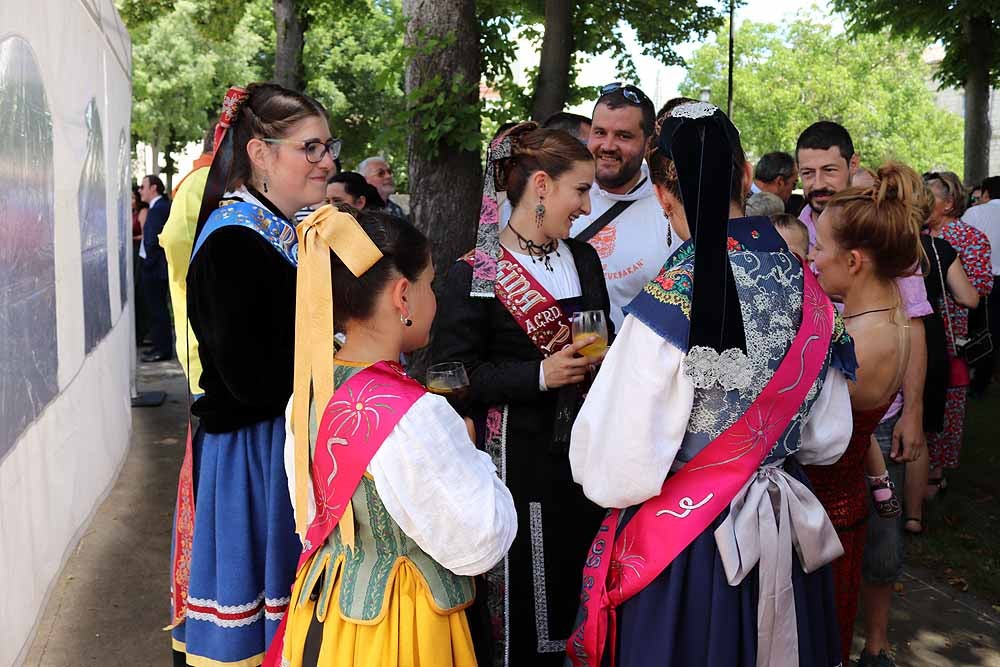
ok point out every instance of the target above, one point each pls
(629, 92)
(315, 150)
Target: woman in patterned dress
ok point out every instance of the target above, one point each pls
(974, 250)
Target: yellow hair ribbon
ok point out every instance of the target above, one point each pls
(326, 229)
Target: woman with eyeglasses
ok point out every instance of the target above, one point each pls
(235, 548)
(973, 250)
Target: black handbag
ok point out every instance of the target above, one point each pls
(979, 343)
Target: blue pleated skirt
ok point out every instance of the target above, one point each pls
(690, 615)
(245, 548)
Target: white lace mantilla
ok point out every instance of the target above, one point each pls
(771, 316)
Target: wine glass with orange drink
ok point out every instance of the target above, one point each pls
(588, 323)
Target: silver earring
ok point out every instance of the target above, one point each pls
(539, 214)
(406, 321)
(670, 236)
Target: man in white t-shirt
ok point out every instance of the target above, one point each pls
(632, 238)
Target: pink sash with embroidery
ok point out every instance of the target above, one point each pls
(357, 420)
(618, 568)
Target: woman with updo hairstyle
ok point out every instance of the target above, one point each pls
(730, 371)
(401, 510)
(505, 314)
(973, 247)
(866, 238)
(234, 547)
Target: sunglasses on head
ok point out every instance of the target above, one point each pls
(629, 92)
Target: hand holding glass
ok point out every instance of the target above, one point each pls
(591, 323)
(450, 380)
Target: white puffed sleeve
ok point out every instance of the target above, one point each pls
(827, 429)
(631, 426)
(442, 491)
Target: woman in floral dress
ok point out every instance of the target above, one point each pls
(974, 250)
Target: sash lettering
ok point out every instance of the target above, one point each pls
(535, 310)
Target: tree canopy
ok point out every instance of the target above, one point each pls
(179, 78)
(597, 28)
(947, 22)
(787, 77)
(187, 52)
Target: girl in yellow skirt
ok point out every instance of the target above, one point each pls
(396, 506)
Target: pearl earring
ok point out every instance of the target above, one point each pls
(406, 321)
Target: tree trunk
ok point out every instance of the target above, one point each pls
(445, 190)
(977, 99)
(446, 183)
(169, 167)
(290, 37)
(552, 87)
(154, 149)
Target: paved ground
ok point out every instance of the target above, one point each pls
(112, 598)
(110, 604)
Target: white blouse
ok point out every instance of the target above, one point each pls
(633, 421)
(441, 491)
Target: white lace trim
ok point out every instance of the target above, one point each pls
(694, 110)
(545, 645)
(273, 609)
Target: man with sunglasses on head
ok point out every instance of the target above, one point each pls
(626, 224)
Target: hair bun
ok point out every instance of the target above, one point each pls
(893, 184)
(516, 134)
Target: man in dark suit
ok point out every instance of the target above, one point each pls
(154, 268)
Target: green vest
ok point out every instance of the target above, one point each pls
(379, 544)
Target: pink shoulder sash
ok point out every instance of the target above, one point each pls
(617, 568)
(359, 417)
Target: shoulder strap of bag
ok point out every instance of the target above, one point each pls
(944, 298)
(603, 221)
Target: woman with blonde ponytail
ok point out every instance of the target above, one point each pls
(866, 238)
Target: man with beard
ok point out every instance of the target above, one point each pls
(626, 224)
(827, 160)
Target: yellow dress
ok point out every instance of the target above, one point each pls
(412, 632)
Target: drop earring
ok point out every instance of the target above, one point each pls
(539, 212)
(670, 236)
(406, 321)
(265, 184)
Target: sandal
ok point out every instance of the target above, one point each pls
(889, 506)
(916, 520)
(940, 485)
